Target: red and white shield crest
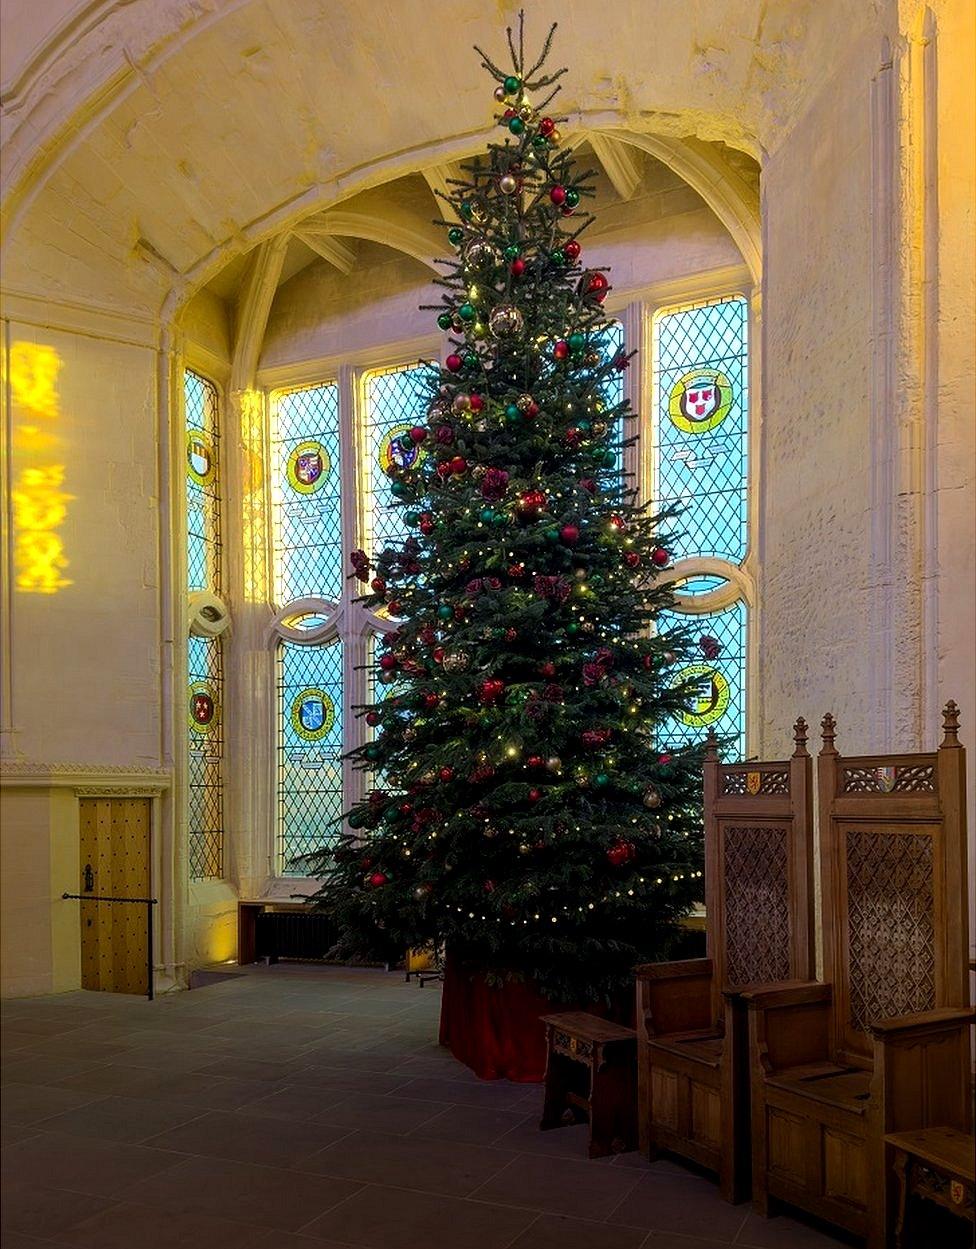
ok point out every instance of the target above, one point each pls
(885, 779)
(700, 400)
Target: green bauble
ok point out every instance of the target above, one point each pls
(572, 628)
(601, 779)
(355, 819)
(400, 489)
(456, 235)
(487, 515)
(577, 341)
(373, 750)
(470, 360)
(513, 413)
(511, 84)
(467, 312)
(609, 459)
(411, 518)
(540, 142)
(390, 813)
(501, 518)
(558, 257)
(596, 579)
(512, 251)
(445, 320)
(572, 197)
(583, 426)
(467, 212)
(551, 534)
(444, 612)
(516, 125)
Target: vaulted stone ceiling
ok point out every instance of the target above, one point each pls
(147, 144)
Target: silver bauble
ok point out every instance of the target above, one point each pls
(554, 763)
(505, 321)
(479, 253)
(652, 799)
(524, 402)
(508, 184)
(462, 403)
(499, 94)
(456, 661)
(438, 411)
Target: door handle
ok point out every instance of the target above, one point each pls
(89, 877)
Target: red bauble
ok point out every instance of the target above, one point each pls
(532, 502)
(516, 570)
(547, 126)
(372, 718)
(508, 114)
(511, 634)
(621, 852)
(660, 556)
(664, 758)
(588, 484)
(632, 559)
(459, 464)
(618, 522)
(477, 403)
(426, 528)
(376, 879)
(569, 534)
(388, 662)
(572, 249)
(418, 433)
(490, 691)
(489, 886)
(535, 795)
(444, 434)
(438, 653)
(597, 285)
(558, 195)
(518, 268)
(446, 774)
(547, 670)
(444, 468)
(394, 607)
(531, 411)
(431, 700)
(561, 350)
(405, 808)
(453, 362)
(378, 585)
(535, 761)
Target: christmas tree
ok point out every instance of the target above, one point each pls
(526, 811)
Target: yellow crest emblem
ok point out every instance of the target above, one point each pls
(753, 781)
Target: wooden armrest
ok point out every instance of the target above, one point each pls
(949, 1016)
(680, 970)
(787, 993)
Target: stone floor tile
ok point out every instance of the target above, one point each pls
(554, 1231)
(490, 1094)
(393, 1218)
(572, 1141)
(431, 1166)
(249, 1138)
(100, 1168)
(35, 1210)
(24, 1104)
(782, 1232)
(258, 1195)
(582, 1189)
(127, 1226)
(658, 1203)
(367, 1112)
(132, 1119)
(469, 1124)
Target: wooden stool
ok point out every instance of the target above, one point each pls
(591, 1070)
(935, 1164)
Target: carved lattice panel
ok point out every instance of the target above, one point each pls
(757, 912)
(894, 779)
(756, 782)
(890, 924)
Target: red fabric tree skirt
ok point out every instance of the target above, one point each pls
(495, 1031)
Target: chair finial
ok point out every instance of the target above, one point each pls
(711, 745)
(800, 736)
(827, 726)
(950, 724)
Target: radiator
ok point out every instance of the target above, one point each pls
(289, 934)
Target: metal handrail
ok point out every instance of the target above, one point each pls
(148, 903)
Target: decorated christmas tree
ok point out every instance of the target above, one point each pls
(525, 809)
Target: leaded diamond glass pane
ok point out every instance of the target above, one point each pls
(202, 483)
(701, 403)
(721, 700)
(611, 342)
(306, 493)
(394, 401)
(694, 587)
(205, 748)
(309, 750)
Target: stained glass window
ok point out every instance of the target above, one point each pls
(306, 491)
(202, 483)
(720, 672)
(205, 739)
(309, 750)
(695, 587)
(701, 405)
(394, 400)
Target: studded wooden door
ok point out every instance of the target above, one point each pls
(114, 864)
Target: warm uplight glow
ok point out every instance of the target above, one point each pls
(40, 505)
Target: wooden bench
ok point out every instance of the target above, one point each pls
(591, 1071)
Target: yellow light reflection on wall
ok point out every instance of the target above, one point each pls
(40, 504)
(254, 520)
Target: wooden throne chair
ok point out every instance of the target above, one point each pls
(884, 1045)
(693, 1095)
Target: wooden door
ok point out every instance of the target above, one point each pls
(114, 864)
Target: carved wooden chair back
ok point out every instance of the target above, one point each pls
(759, 868)
(893, 874)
